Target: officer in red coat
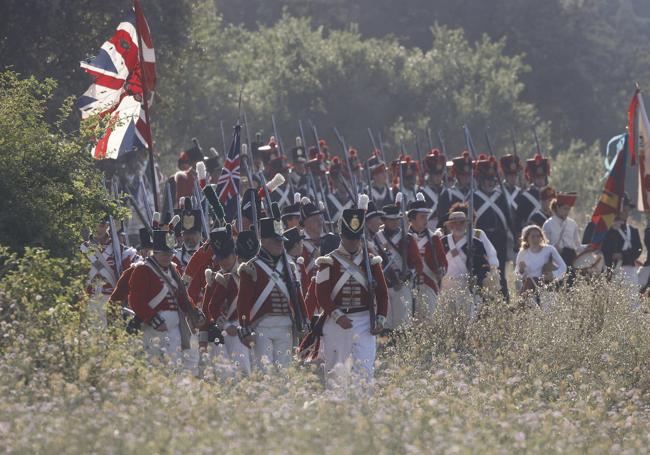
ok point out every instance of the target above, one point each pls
(343, 293)
(264, 305)
(155, 296)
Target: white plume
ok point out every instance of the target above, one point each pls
(399, 198)
(156, 217)
(201, 171)
(363, 201)
(298, 141)
(300, 260)
(174, 220)
(305, 200)
(244, 149)
(275, 182)
(296, 198)
(209, 276)
(321, 206)
(181, 202)
(419, 197)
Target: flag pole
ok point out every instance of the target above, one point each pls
(145, 102)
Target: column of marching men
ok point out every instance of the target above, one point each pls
(293, 284)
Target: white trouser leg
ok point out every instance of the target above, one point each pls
(399, 306)
(164, 346)
(349, 350)
(238, 353)
(427, 300)
(274, 343)
(97, 307)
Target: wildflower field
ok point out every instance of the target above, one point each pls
(575, 379)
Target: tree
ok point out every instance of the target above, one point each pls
(50, 187)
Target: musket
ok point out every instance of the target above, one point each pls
(418, 153)
(443, 149)
(223, 137)
(405, 235)
(353, 181)
(369, 181)
(115, 239)
(503, 190)
(381, 146)
(197, 194)
(312, 182)
(277, 136)
(374, 145)
(539, 149)
(429, 138)
(514, 152)
(294, 283)
(470, 210)
(363, 204)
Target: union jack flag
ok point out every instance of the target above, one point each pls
(228, 183)
(118, 86)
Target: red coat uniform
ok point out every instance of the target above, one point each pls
(259, 294)
(194, 277)
(121, 291)
(341, 283)
(220, 297)
(393, 244)
(149, 293)
(433, 258)
(103, 272)
(310, 252)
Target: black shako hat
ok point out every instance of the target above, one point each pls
(352, 223)
(222, 242)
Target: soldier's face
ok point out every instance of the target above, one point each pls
(313, 225)
(457, 227)
(274, 246)
(511, 179)
(435, 179)
(164, 258)
(488, 185)
(101, 231)
(246, 223)
(380, 178)
(299, 167)
(463, 180)
(191, 239)
(539, 180)
(296, 250)
(374, 224)
(227, 263)
(419, 222)
(291, 222)
(562, 211)
(391, 224)
(351, 245)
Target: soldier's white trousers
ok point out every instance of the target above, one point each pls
(164, 346)
(427, 300)
(399, 306)
(349, 353)
(239, 354)
(274, 342)
(97, 307)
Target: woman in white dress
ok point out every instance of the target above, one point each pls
(538, 264)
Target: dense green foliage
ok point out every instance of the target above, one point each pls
(50, 187)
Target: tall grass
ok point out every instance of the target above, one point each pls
(573, 379)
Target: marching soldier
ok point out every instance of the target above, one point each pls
(107, 260)
(511, 167)
(120, 294)
(373, 225)
(291, 213)
(380, 193)
(343, 292)
(339, 198)
(298, 172)
(400, 251)
(410, 170)
(431, 251)
(190, 232)
(184, 180)
(213, 165)
(492, 216)
(264, 304)
(433, 188)
(328, 243)
(461, 170)
(529, 202)
(156, 297)
(357, 170)
(312, 222)
(547, 195)
(220, 301)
